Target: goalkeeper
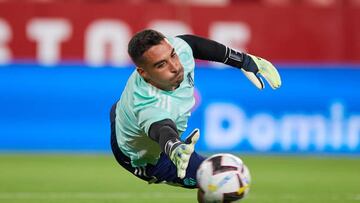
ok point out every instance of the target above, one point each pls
(152, 113)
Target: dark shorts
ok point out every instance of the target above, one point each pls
(163, 171)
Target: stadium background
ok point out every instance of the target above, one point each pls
(63, 64)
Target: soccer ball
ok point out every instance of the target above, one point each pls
(223, 178)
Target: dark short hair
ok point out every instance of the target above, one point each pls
(141, 42)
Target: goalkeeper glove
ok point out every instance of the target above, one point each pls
(254, 66)
(180, 153)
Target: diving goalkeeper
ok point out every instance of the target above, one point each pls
(152, 113)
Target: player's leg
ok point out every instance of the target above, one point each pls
(122, 159)
(165, 171)
(119, 156)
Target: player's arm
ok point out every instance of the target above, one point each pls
(251, 66)
(165, 133)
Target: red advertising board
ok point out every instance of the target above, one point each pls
(97, 34)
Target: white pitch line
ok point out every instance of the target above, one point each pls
(357, 197)
(292, 197)
(143, 195)
(91, 195)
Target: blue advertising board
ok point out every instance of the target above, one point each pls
(65, 108)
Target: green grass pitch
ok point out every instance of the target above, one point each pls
(97, 178)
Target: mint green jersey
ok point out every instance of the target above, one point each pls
(142, 104)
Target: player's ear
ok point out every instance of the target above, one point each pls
(141, 72)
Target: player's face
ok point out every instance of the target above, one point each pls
(161, 67)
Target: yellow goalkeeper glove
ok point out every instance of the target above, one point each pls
(181, 154)
(254, 66)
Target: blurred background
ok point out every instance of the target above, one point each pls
(63, 63)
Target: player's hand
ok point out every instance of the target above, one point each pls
(254, 66)
(180, 155)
